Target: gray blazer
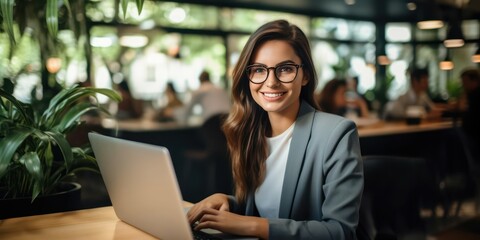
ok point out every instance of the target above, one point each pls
(323, 182)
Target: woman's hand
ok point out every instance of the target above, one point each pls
(216, 201)
(232, 223)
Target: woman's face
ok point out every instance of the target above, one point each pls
(274, 96)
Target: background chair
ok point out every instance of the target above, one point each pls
(391, 200)
(472, 153)
(208, 170)
(455, 184)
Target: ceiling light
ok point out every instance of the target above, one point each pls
(476, 56)
(411, 6)
(53, 64)
(350, 2)
(454, 36)
(429, 16)
(446, 64)
(383, 60)
(430, 24)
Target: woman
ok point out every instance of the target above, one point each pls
(167, 113)
(297, 171)
(334, 99)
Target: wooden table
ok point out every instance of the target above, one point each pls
(95, 223)
(383, 128)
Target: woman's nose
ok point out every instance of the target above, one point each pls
(272, 79)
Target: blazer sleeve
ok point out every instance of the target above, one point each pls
(336, 187)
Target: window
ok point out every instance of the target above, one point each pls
(398, 32)
(341, 29)
(401, 55)
(249, 19)
(340, 60)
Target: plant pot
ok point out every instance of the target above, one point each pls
(67, 198)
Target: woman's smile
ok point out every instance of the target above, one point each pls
(273, 95)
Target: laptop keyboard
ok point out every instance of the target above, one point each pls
(199, 235)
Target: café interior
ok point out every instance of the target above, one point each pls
(427, 191)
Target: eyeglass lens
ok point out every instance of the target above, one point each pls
(285, 73)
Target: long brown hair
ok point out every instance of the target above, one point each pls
(247, 123)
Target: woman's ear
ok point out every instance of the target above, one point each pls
(304, 81)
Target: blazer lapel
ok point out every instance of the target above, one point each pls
(298, 145)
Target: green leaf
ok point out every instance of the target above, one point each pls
(69, 97)
(69, 9)
(37, 189)
(139, 6)
(20, 107)
(84, 160)
(52, 17)
(71, 118)
(6, 8)
(48, 157)
(9, 145)
(124, 4)
(54, 179)
(32, 163)
(115, 96)
(64, 146)
(56, 104)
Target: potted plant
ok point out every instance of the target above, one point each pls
(36, 158)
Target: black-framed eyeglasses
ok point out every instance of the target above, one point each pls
(285, 73)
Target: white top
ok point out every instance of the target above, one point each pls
(267, 196)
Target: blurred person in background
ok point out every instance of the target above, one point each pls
(416, 96)
(353, 93)
(208, 98)
(169, 111)
(334, 99)
(470, 110)
(129, 107)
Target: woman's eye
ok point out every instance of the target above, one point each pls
(258, 70)
(286, 69)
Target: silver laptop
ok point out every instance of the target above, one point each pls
(141, 182)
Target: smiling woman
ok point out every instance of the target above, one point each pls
(278, 94)
(287, 157)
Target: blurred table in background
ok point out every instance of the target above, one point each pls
(383, 128)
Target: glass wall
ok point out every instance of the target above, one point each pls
(171, 42)
(425, 50)
(248, 20)
(344, 49)
(174, 42)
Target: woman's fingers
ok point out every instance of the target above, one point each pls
(209, 219)
(197, 212)
(216, 201)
